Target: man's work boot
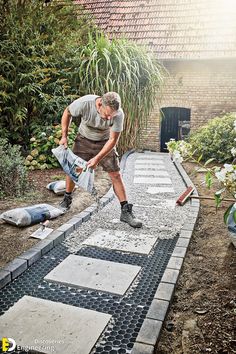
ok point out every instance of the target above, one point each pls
(66, 202)
(128, 216)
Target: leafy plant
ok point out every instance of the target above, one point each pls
(13, 173)
(37, 46)
(215, 139)
(41, 144)
(226, 175)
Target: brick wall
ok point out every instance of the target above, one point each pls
(207, 88)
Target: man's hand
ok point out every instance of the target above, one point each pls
(92, 163)
(63, 141)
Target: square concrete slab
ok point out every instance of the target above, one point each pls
(140, 348)
(121, 241)
(175, 263)
(151, 173)
(149, 162)
(149, 331)
(183, 242)
(150, 166)
(164, 291)
(152, 180)
(163, 203)
(158, 309)
(179, 252)
(170, 276)
(148, 152)
(51, 327)
(159, 190)
(77, 271)
(149, 157)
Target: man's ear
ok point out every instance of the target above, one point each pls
(99, 102)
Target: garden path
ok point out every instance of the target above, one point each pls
(107, 287)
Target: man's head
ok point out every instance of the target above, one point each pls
(108, 105)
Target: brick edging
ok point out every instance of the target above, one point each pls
(22, 262)
(150, 331)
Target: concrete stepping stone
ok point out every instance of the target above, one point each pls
(51, 327)
(149, 162)
(121, 241)
(150, 166)
(151, 173)
(166, 203)
(151, 180)
(78, 271)
(150, 157)
(160, 190)
(160, 204)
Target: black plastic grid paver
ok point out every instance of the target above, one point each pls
(128, 312)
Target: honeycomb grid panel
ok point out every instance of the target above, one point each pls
(128, 312)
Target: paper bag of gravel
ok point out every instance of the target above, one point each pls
(31, 215)
(75, 167)
(58, 187)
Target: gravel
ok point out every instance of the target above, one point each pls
(159, 213)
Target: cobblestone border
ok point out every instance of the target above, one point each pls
(16, 267)
(149, 333)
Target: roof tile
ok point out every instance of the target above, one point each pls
(187, 29)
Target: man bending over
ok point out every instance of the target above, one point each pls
(98, 134)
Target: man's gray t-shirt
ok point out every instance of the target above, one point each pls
(92, 126)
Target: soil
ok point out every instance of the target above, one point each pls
(16, 240)
(202, 317)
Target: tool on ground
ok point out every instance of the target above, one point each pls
(43, 231)
(187, 194)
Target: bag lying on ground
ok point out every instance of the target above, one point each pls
(31, 215)
(75, 167)
(58, 187)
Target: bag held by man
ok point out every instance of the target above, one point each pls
(75, 167)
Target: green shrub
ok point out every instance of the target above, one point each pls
(37, 46)
(13, 173)
(41, 144)
(215, 139)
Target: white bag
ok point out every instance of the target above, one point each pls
(58, 187)
(75, 167)
(31, 215)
